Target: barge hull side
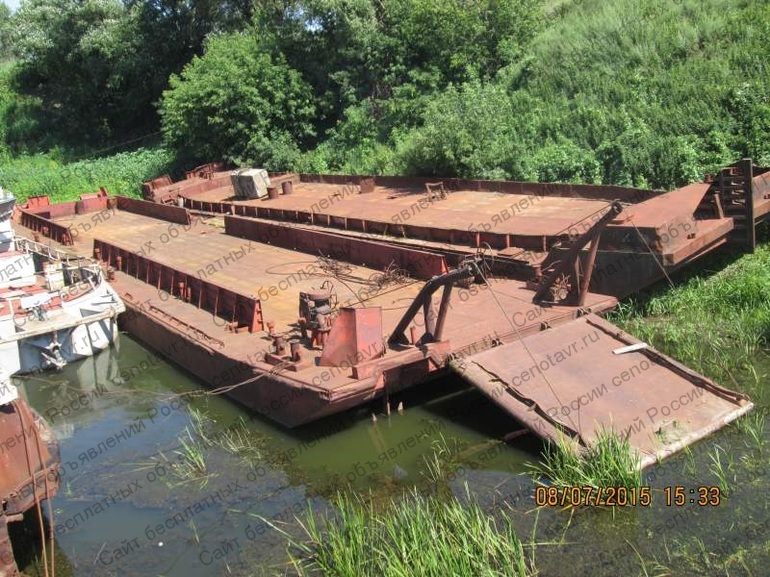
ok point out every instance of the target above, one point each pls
(267, 393)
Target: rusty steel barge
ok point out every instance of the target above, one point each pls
(29, 469)
(301, 296)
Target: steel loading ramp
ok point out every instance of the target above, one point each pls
(577, 378)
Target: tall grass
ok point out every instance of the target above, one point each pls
(425, 532)
(719, 324)
(722, 468)
(43, 174)
(190, 460)
(189, 463)
(609, 462)
(416, 536)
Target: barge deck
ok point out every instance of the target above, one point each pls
(319, 297)
(231, 359)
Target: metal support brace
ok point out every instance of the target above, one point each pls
(570, 263)
(434, 326)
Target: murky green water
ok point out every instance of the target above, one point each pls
(126, 507)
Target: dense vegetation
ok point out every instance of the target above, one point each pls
(722, 320)
(120, 173)
(89, 71)
(649, 93)
(422, 535)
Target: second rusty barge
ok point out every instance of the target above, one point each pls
(315, 294)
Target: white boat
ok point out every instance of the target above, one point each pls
(55, 308)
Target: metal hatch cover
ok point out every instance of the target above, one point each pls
(581, 377)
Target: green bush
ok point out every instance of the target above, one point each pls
(239, 103)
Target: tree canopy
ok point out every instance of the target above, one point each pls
(239, 103)
(646, 93)
(96, 67)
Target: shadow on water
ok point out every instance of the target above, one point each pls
(25, 536)
(157, 483)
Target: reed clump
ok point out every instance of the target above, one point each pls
(417, 535)
(608, 462)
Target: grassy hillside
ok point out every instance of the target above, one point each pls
(649, 93)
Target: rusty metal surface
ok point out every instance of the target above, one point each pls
(740, 192)
(625, 194)
(761, 186)
(91, 204)
(553, 189)
(525, 219)
(41, 206)
(356, 336)
(156, 192)
(210, 351)
(277, 274)
(295, 398)
(205, 170)
(409, 211)
(563, 280)
(420, 264)
(48, 228)
(661, 210)
(28, 458)
(38, 213)
(281, 274)
(244, 311)
(154, 210)
(35, 203)
(149, 188)
(29, 464)
(567, 383)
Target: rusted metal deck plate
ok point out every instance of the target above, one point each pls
(761, 186)
(474, 320)
(470, 216)
(473, 323)
(657, 211)
(527, 215)
(711, 233)
(567, 381)
(272, 274)
(276, 275)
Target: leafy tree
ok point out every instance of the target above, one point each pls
(470, 131)
(5, 31)
(79, 58)
(97, 67)
(171, 32)
(461, 40)
(240, 103)
(393, 52)
(334, 45)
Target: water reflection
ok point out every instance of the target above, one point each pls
(128, 422)
(126, 507)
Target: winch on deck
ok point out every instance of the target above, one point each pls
(315, 309)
